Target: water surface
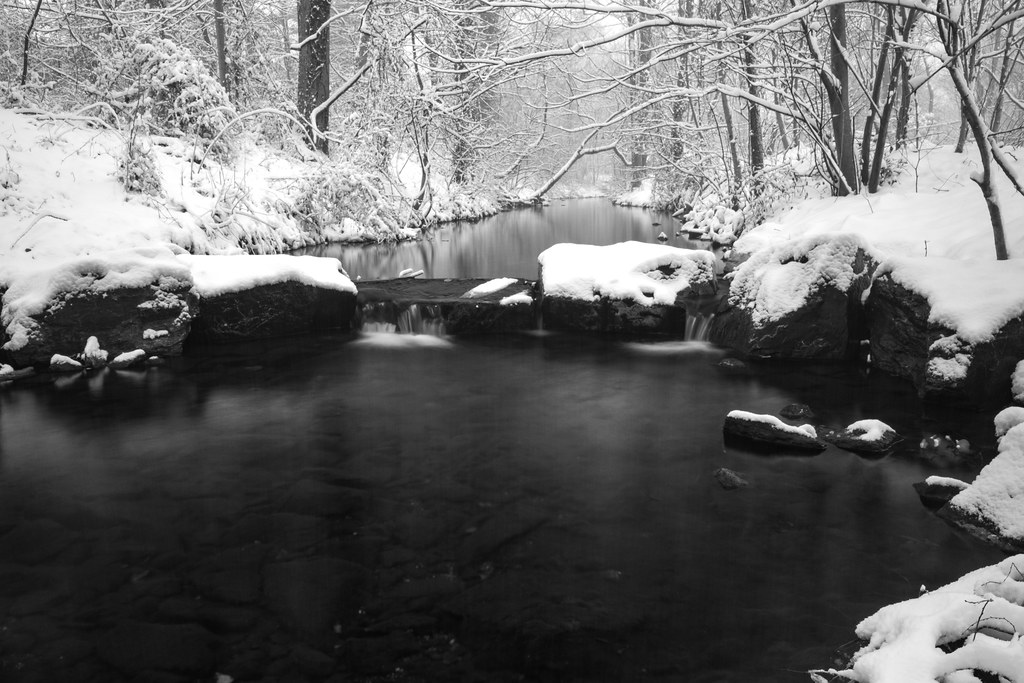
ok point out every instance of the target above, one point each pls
(362, 507)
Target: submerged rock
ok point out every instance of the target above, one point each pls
(137, 647)
(768, 430)
(728, 479)
(797, 411)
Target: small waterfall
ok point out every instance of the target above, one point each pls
(385, 317)
(698, 326)
(418, 319)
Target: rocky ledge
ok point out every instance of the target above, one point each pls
(452, 306)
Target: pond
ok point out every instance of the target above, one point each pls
(397, 508)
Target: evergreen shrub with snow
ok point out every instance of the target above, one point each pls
(337, 193)
(137, 171)
(176, 93)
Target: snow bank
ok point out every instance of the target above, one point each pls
(777, 280)
(974, 298)
(984, 606)
(934, 209)
(646, 273)
(642, 195)
(806, 430)
(216, 275)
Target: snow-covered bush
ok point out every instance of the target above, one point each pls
(176, 93)
(137, 171)
(336, 193)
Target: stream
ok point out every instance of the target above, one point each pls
(385, 507)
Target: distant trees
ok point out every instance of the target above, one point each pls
(703, 96)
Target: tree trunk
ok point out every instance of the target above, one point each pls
(753, 110)
(314, 69)
(222, 43)
(876, 92)
(839, 104)
(638, 81)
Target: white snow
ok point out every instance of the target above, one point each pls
(805, 429)
(1007, 419)
(515, 299)
(36, 285)
(628, 270)
(490, 287)
(60, 363)
(997, 494)
(1017, 383)
(973, 297)
(936, 480)
(904, 637)
(216, 275)
(154, 334)
(6, 372)
(869, 430)
(93, 355)
(641, 195)
(127, 358)
(778, 279)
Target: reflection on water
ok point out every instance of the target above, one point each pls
(507, 244)
(537, 507)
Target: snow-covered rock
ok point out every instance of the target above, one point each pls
(115, 295)
(1017, 383)
(976, 622)
(797, 299)
(769, 430)
(937, 491)
(954, 328)
(866, 436)
(127, 359)
(59, 363)
(256, 297)
(93, 356)
(625, 287)
(992, 507)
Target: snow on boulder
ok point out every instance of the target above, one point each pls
(93, 356)
(1006, 419)
(992, 507)
(127, 359)
(55, 306)
(625, 287)
(241, 297)
(953, 327)
(937, 491)
(974, 623)
(1017, 383)
(797, 299)
(866, 436)
(59, 363)
(768, 430)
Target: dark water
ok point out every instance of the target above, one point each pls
(392, 508)
(508, 245)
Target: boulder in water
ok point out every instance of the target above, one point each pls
(800, 299)
(729, 480)
(866, 436)
(797, 411)
(770, 431)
